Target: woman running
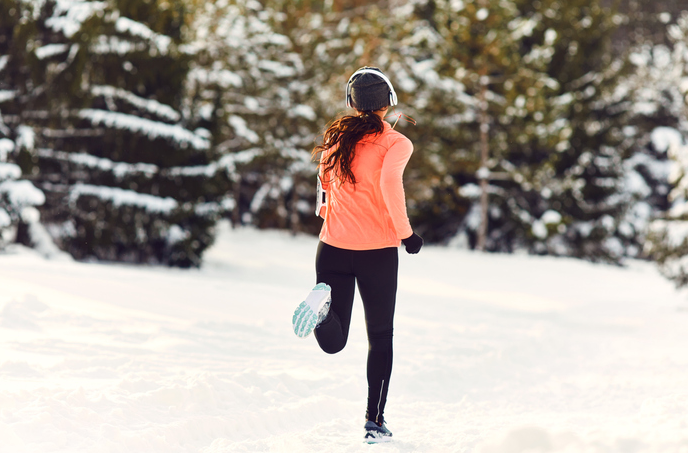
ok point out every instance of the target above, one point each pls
(361, 199)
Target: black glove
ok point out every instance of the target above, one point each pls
(413, 243)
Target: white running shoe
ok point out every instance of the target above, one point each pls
(312, 311)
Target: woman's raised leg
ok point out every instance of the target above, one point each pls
(333, 266)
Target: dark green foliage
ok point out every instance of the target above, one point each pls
(210, 110)
(584, 66)
(20, 92)
(254, 96)
(111, 141)
(669, 254)
(555, 110)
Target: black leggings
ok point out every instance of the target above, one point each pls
(375, 272)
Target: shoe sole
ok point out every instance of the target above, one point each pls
(306, 314)
(377, 440)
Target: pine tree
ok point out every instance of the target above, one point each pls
(23, 84)
(657, 112)
(481, 101)
(589, 163)
(664, 70)
(119, 164)
(247, 87)
(542, 79)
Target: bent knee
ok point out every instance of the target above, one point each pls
(332, 349)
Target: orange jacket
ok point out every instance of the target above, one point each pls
(372, 213)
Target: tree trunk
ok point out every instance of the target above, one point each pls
(294, 214)
(236, 214)
(483, 173)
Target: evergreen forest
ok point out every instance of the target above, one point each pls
(129, 128)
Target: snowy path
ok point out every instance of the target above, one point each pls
(493, 354)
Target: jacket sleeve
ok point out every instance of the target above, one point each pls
(392, 185)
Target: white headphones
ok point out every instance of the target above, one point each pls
(377, 72)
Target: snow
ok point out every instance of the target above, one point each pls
(50, 50)
(304, 111)
(126, 25)
(679, 208)
(666, 138)
(279, 69)
(22, 193)
(41, 241)
(9, 171)
(676, 231)
(113, 44)
(149, 105)
(493, 354)
(659, 169)
(26, 137)
(639, 216)
(119, 169)
(521, 27)
(227, 163)
(120, 197)
(550, 36)
(225, 78)
(539, 229)
(152, 129)
(5, 219)
(176, 234)
(635, 184)
(470, 190)
(198, 170)
(72, 13)
(241, 129)
(457, 5)
(212, 208)
(6, 95)
(551, 217)
(260, 196)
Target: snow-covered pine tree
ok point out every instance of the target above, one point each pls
(301, 110)
(247, 86)
(478, 87)
(663, 72)
(656, 114)
(120, 166)
(556, 109)
(18, 198)
(24, 82)
(589, 192)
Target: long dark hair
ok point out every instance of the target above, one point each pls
(344, 133)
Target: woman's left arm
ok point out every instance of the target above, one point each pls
(392, 185)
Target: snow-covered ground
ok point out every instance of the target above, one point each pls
(493, 354)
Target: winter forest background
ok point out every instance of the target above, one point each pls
(128, 128)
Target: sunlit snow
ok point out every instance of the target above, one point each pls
(493, 354)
